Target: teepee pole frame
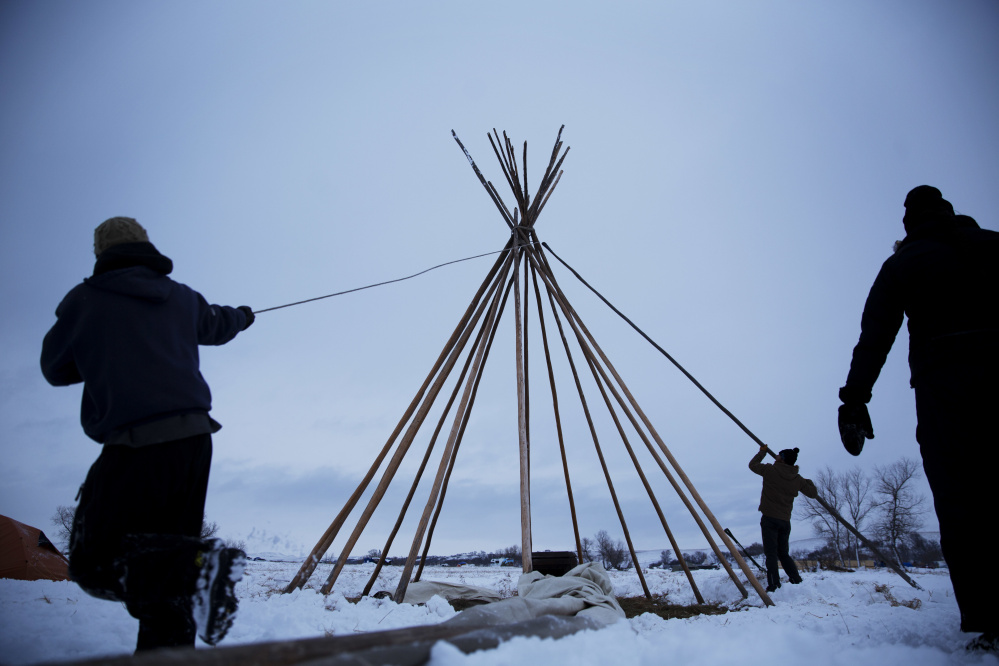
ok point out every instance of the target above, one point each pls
(523, 250)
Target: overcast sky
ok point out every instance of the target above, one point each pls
(735, 181)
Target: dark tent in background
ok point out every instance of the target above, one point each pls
(27, 554)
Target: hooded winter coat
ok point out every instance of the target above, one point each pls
(131, 335)
(944, 277)
(781, 484)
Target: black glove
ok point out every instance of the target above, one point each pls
(245, 309)
(854, 426)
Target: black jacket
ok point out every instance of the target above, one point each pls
(131, 335)
(945, 278)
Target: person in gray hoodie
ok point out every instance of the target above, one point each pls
(781, 484)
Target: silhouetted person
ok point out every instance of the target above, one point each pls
(944, 276)
(130, 334)
(781, 484)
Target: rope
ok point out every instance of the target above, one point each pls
(379, 284)
(829, 508)
(663, 351)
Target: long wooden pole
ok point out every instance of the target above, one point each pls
(419, 474)
(573, 319)
(641, 473)
(599, 451)
(558, 417)
(676, 466)
(461, 435)
(326, 540)
(669, 476)
(525, 466)
(835, 514)
(400, 593)
(680, 493)
(404, 444)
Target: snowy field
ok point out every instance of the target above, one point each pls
(864, 618)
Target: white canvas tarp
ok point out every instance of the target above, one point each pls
(585, 591)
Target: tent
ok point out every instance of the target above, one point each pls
(27, 554)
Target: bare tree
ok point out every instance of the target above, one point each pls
(63, 520)
(209, 529)
(696, 558)
(588, 549)
(900, 506)
(665, 557)
(831, 488)
(612, 554)
(858, 497)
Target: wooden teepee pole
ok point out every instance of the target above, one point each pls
(400, 593)
(599, 451)
(690, 487)
(461, 434)
(326, 540)
(638, 469)
(419, 472)
(404, 444)
(525, 466)
(573, 318)
(558, 417)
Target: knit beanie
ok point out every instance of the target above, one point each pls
(118, 230)
(922, 204)
(790, 456)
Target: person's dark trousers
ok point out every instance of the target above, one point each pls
(135, 534)
(776, 534)
(959, 442)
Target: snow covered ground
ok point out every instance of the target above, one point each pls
(864, 618)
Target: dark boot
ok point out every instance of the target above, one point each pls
(214, 602)
(987, 642)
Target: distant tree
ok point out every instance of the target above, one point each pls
(859, 500)
(589, 548)
(63, 520)
(921, 551)
(208, 529)
(697, 557)
(832, 489)
(665, 557)
(375, 553)
(755, 549)
(512, 553)
(899, 504)
(612, 554)
(234, 543)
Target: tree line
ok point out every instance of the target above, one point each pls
(884, 505)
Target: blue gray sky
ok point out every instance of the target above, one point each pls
(735, 181)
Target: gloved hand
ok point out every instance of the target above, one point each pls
(245, 309)
(854, 426)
